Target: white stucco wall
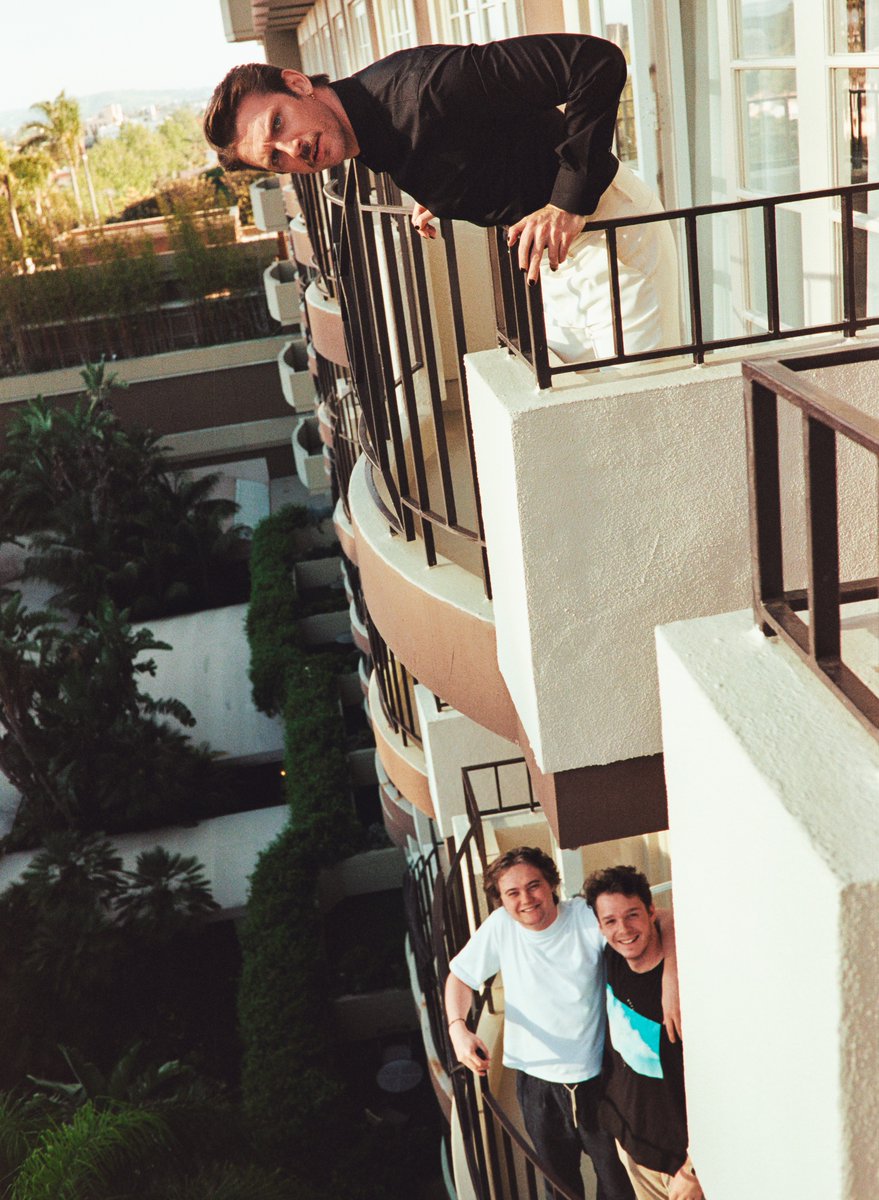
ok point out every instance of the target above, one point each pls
(774, 818)
(207, 670)
(611, 505)
(451, 742)
(227, 847)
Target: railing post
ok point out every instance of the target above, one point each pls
(770, 257)
(692, 236)
(764, 497)
(849, 301)
(822, 528)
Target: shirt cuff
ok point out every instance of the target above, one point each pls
(578, 193)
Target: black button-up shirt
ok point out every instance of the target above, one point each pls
(474, 132)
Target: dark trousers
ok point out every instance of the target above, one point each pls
(548, 1113)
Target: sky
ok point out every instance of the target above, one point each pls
(86, 46)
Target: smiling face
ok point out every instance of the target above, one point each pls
(301, 131)
(527, 896)
(630, 928)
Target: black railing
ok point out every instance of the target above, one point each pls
(485, 794)
(825, 419)
(319, 222)
(414, 404)
(519, 308)
(419, 896)
(396, 688)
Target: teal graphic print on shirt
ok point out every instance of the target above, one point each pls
(635, 1038)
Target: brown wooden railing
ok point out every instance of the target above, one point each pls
(519, 308)
(826, 419)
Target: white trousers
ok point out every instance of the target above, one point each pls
(577, 297)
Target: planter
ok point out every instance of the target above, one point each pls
(282, 291)
(268, 204)
(292, 207)
(302, 248)
(308, 455)
(297, 382)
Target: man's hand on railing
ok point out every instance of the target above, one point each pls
(421, 219)
(470, 1050)
(549, 229)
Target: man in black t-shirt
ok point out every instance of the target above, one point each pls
(644, 1105)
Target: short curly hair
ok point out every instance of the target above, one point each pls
(531, 856)
(221, 114)
(620, 881)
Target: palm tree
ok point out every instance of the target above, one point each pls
(59, 131)
(7, 183)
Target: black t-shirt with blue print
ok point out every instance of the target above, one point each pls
(644, 1105)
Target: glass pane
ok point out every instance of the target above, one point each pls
(855, 26)
(617, 26)
(770, 119)
(766, 28)
(856, 97)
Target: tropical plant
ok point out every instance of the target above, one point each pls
(97, 1154)
(59, 131)
(7, 183)
(107, 517)
(164, 893)
(84, 745)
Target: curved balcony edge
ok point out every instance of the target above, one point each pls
(436, 620)
(404, 765)
(325, 323)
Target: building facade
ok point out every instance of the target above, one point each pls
(512, 549)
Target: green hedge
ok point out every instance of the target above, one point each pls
(275, 643)
(292, 1092)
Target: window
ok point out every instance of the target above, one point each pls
(468, 21)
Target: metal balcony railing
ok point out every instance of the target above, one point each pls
(826, 422)
(319, 221)
(519, 308)
(414, 404)
(396, 688)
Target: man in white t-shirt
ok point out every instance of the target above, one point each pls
(551, 955)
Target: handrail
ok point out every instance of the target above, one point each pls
(414, 404)
(521, 326)
(825, 418)
(396, 688)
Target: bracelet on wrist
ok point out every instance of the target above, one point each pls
(451, 1023)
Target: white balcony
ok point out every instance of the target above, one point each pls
(282, 291)
(268, 204)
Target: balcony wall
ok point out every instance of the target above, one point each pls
(436, 620)
(208, 671)
(774, 806)
(612, 505)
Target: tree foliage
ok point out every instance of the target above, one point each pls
(85, 746)
(106, 516)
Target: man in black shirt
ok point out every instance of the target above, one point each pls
(475, 133)
(644, 1105)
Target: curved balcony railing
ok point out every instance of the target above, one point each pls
(415, 429)
(319, 220)
(396, 688)
(519, 308)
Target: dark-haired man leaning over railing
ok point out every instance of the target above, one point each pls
(551, 955)
(475, 133)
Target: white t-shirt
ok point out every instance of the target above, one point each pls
(554, 1010)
